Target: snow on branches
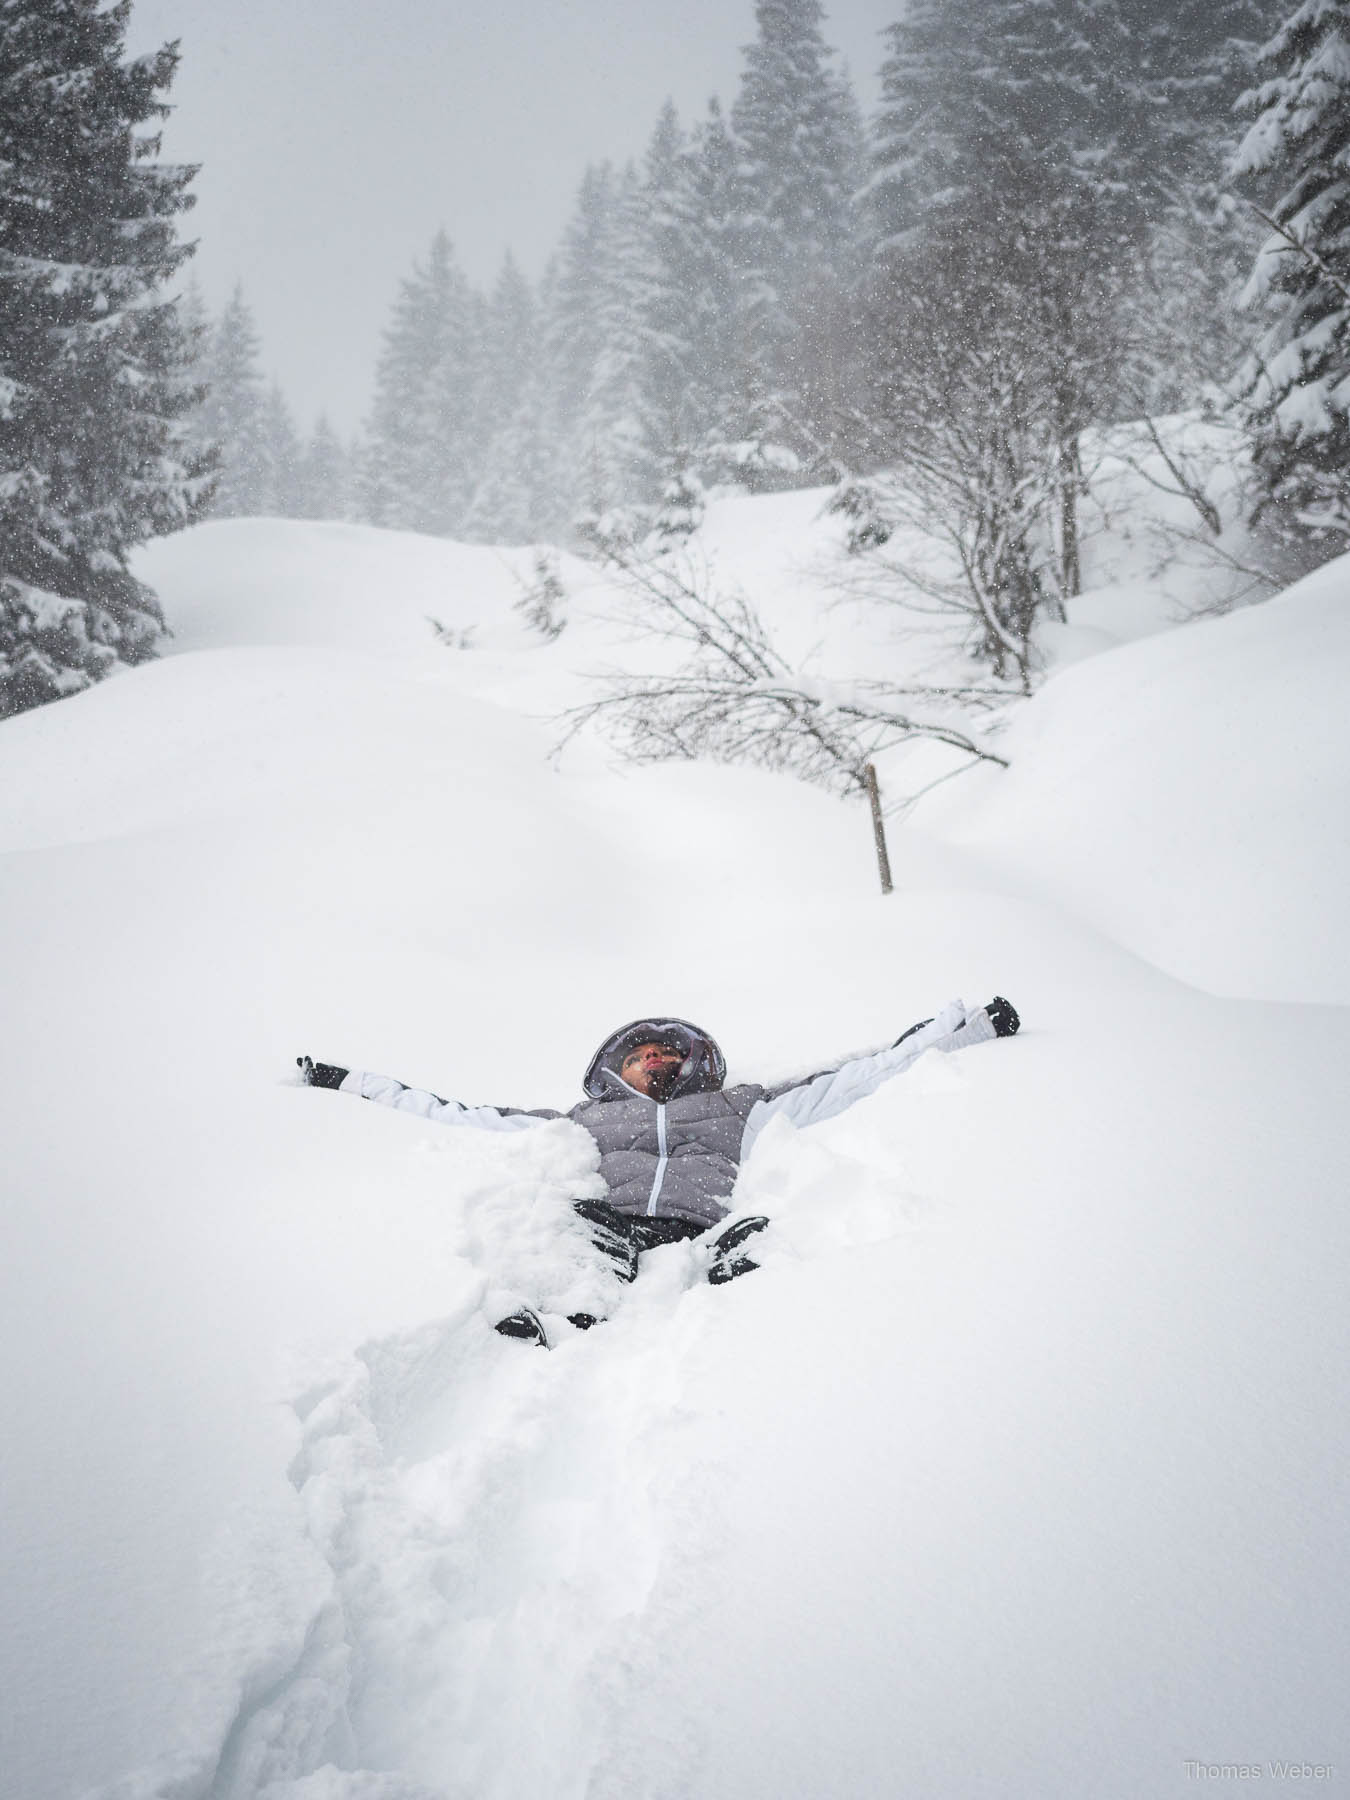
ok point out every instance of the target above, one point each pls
(1296, 384)
(94, 361)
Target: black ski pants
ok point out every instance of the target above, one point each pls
(622, 1237)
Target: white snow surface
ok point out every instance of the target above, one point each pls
(1020, 1467)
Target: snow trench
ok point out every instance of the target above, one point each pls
(483, 1511)
(491, 1522)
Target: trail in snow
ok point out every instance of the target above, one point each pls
(489, 1517)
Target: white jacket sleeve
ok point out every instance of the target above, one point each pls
(424, 1105)
(825, 1095)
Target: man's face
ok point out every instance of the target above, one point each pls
(652, 1068)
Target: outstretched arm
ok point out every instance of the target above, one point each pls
(418, 1101)
(822, 1096)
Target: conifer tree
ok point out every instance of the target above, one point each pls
(507, 350)
(667, 352)
(573, 331)
(920, 128)
(694, 345)
(516, 498)
(94, 358)
(613, 428)
(194, 319)
(454, 412)
(231, 421)
(1007, 104)
(1194, 58)
(1297, 154)
(324, 475)
(418, 452)
(281, 456)
(1007, 169)
(800, 137)
(510, 504)
(587, 353)
(714, 260)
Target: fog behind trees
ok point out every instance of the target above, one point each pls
(1051, 221)
(333, 145)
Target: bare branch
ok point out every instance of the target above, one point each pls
(736, 698)
(1187, 485)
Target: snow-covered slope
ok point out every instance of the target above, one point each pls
(1020, 1466)
(1190, 794)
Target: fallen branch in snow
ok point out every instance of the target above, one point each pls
(735, 697)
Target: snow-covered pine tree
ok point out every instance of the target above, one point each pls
(506, 350)
(416, 460)
(1191, 60)
(513, 478)
(515, 499)
(797, 125)
(694, 346)
(713, 261)
(324, 475)
(94, 359)
(198, 329)
(1013, 115)
(194, 318)
(281, 452)
(573, 341)
(919, 148)
(1297, 383)
(1144, 93)
(456, 421)
(230, 420)
(664, 370)
(1007, 169)
(613, 429)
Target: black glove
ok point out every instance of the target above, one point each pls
(320, 1074)
(1003, 1016)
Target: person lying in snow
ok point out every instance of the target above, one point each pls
(671, 1136)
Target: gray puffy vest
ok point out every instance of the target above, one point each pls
(679, 1158)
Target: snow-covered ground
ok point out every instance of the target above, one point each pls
(1021, 1466)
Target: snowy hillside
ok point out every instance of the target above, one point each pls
(1020, 1467)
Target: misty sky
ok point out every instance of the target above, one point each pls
(336, 136)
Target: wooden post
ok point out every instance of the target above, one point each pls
(878, 827)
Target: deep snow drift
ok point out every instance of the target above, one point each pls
(1020, 1466)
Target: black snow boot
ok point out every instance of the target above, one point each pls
(524, 1325)
(725, 1264)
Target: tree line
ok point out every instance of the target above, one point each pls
(1037, 233)
(1038, 227)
